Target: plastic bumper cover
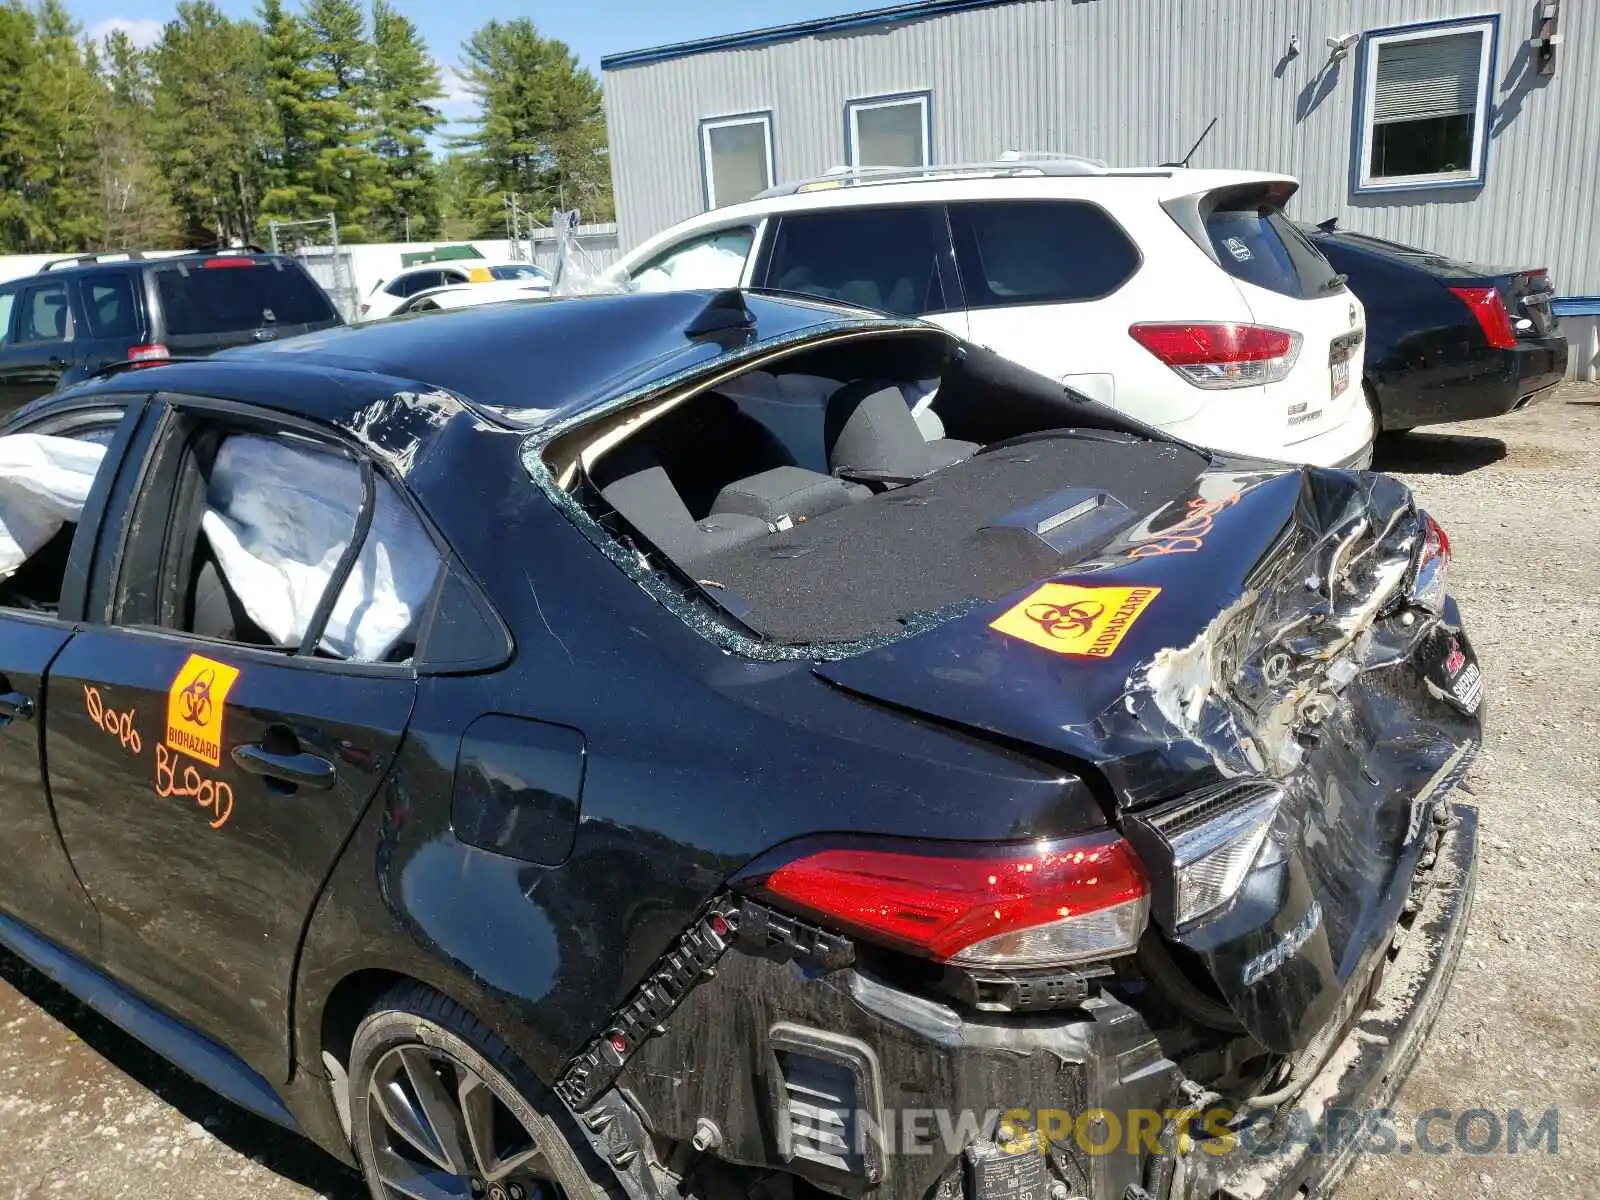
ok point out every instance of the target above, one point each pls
(1367, 1068)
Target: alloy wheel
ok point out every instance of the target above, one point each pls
(439, 1132)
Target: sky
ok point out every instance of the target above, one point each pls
(593, 28)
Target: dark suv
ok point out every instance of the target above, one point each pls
(80, 315)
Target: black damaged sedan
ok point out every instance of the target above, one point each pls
(718, 745)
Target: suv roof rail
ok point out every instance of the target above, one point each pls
(89, 260)
(1065, 164)
(117, 256)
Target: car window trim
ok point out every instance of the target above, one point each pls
(27, 292)
(955, 241)
(955, 300)
(14, 290)
(165, 407)
(695, 239)
(75, 579)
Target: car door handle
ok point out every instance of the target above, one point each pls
(303, 770)
(59, 364)
(15, 706)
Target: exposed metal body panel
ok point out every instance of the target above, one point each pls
(1135, 82)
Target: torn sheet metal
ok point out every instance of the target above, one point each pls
(1280, 644)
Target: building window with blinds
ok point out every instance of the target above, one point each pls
(889, 131)
(1426, 105)
(736, 157)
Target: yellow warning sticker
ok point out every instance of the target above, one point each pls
(1066, 619)
(196, 705)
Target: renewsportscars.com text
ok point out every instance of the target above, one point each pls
(1215, 1131)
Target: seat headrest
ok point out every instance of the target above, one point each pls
(868, 430)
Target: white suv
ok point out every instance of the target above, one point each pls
(1183, 297)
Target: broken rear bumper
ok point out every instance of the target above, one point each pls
(782, 1055)
(1366, 1070)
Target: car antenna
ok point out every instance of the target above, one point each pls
(724, 312)
(1196, 145)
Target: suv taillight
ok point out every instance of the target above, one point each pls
(1494, 319)
(153, 353)
(1046, 904)
(1222, 355)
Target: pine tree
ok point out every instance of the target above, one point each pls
(62, 95)
(292, 89)
(541, 131)
(21, 153)
(404, 80)
(345, 174)
(135, 207)
(212, 121)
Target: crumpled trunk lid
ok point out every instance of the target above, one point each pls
(1258, 629)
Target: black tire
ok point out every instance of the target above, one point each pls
(432, 1027)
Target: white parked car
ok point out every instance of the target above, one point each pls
(389, 294)
(470, 295)
(1183, 297)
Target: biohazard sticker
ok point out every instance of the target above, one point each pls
(196, 705)
(1066, 619)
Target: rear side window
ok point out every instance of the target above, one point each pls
(8, 304)
(201, 300)
(1262, 246)
(46, 314)
(885, 258)
(1039, 252)
(109, 307)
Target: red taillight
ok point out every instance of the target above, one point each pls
(1043, 905)
(1431, 581)
(214, 263)
(1221, 355)
(1490, 310)
(155, 352)
(1436, 542)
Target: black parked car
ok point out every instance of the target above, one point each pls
(79, 315)
(1447, 340)
(685, 772)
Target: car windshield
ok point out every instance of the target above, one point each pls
(201, 300)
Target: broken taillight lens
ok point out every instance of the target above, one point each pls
(1043, 905)
(1433, 567)
(1223, 355)
(1489, 307)
(1210, 841)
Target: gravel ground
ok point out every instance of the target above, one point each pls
(86, 1111)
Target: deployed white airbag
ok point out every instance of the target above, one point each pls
(279, 517)
(44, 482)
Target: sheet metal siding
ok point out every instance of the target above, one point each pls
(1134, 82)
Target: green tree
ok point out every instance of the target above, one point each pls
(293, 91)
(461, 189)
(135, 205)
(21, 152)
(212, 121)
(63, 95)
(541, 129)
(345, 174)
(404, 80)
